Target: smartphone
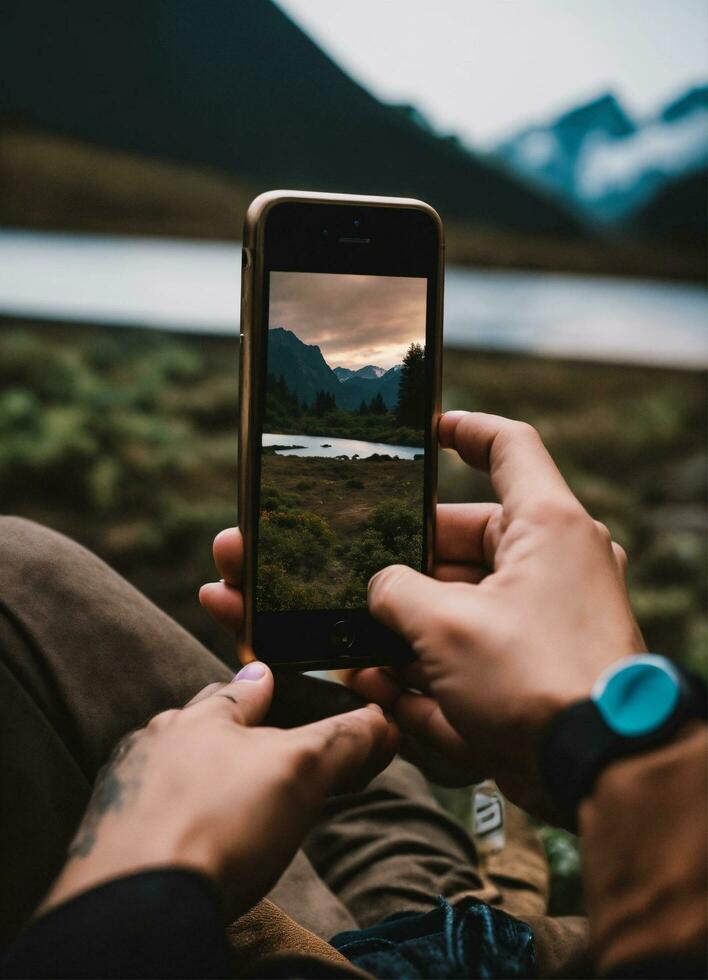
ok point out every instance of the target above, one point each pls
(341, 337)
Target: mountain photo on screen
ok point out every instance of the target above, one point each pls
(343, 437)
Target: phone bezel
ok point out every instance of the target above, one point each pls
(283, 232)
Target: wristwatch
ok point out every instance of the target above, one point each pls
(638, 703)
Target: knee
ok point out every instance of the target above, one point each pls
(401, 779)
(31, 553)
(20, 537)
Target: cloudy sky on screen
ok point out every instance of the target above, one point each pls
(354, 320)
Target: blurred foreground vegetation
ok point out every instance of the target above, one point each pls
(125, 439)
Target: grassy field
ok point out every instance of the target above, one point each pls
(327, 525)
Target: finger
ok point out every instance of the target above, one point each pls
(451, 572)
(245, 699)
(428, 739)
(345, 750)
(405, 600)
(618, 552)
(412, 676)
(223, 602)
(460, 531)
(228, 554)
(375, 684)
(205, 693)
(521, 470)
(163, 720)
(620, 558)
(384, 685)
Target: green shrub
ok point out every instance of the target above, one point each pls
(395, 522)
(277, 590)
(273, 499)
(393, 535)
(296, 540)
(369, 555)
(352, 595)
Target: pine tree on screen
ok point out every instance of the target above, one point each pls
(378, 405)
(410, 410)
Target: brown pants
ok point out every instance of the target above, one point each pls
(85, 658)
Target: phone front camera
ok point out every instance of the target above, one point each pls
(325, 232)
(356, 224)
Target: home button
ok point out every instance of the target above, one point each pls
(342, 635)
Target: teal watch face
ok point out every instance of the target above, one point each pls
(637, 695)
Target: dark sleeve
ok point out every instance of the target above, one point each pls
(644, 838)
(165, 923)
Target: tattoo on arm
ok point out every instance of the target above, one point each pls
(116, 787)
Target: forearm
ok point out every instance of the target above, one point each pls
(643, 833)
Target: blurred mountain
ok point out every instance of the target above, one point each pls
(549, 153)
(609, 165)
(694, 100)
(239, 88)
(677, 212)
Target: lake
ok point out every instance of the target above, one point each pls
(329, 446)
(195, 286)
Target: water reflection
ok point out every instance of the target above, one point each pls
(330, 446)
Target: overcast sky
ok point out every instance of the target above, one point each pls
(355, 320)
(482, 68)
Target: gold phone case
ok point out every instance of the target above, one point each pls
(251, 354)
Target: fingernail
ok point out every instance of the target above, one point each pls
(251, 672)
(375, 707)
(373, 578)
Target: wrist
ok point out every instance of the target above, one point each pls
(573, 680)
(119, 850)
(636, 704)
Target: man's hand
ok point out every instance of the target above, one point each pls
(204, 788)
(498, 658)
(429, 740)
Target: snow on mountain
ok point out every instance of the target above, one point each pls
(369, 371)
(664, 149)
(607, 163)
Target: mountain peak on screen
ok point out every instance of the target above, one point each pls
(369, 371)
(306, 372)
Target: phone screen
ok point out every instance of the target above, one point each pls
(343, 438)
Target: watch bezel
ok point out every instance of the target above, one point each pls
(618, 717)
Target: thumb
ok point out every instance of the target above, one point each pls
(402, 599)
(246, 698)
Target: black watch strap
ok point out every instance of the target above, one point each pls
(579, 744)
